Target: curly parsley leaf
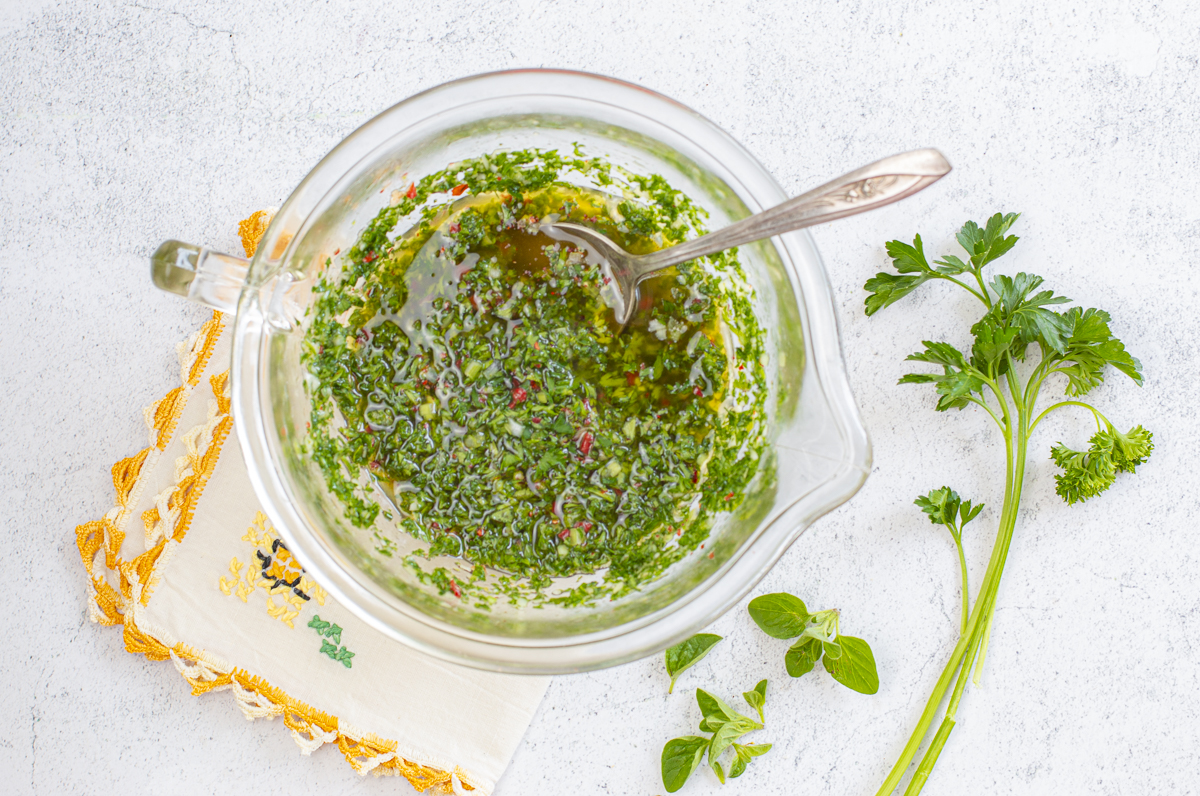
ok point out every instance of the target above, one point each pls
(1086, 474)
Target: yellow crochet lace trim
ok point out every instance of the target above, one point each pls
(114, 583)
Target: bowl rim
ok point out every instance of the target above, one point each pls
(650, 634)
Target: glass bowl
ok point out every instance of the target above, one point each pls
(820, 453)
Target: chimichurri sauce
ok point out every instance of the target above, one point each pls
(467, 375)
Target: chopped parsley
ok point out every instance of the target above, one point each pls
(466, 375)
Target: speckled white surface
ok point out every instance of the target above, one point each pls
(122, 124)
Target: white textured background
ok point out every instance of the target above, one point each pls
(122, 124)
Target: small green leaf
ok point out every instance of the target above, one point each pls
(716, 767)
(908, 259)
(951, 266)
(680, 757)
(729, 732)
(779, 615)
(683, 655)
(1131, 449)
(802, 656)
(757, 698)
(886, 289)
(714, 707)
(745, 753)
(854, 666)
(754, 749)
(940, 504)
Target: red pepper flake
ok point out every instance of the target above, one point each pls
(701, 547)
(729, 497)
(698, 392)
(369, 257)
(630, 378)
(412, 191)
(336, 252)
(695, 476)
(458, 189)
(479, 532)
(381, 190)
(585, 443)
(518, 395)
(454, 228)
(710, 555)
(454, 588)
(536, 346)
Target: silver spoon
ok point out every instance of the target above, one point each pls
(878, 184)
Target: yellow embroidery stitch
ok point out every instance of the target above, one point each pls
(275, 571)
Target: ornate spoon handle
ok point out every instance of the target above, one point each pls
(875, 185)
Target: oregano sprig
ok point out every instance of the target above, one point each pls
(682, 756)
(848, 660)
(1019, 343)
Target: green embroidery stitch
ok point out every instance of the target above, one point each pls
(330, 630)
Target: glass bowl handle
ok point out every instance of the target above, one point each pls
(200, 274)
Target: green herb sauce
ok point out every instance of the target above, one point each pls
(470, 370)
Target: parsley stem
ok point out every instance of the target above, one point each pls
(1095, 412)
(983, 603)
(962, 563)
(930, 759)
(985, 298)
(1012, 502)
(969, 289)
(987, 409)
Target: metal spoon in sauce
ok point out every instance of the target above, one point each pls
(878, 184)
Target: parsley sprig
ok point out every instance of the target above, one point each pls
(1020, 342)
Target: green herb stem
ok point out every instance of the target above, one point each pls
(962, 563)
(1100, 419)
(1076, 343)
(930, 759)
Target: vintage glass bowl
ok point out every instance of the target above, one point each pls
(821, 454)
